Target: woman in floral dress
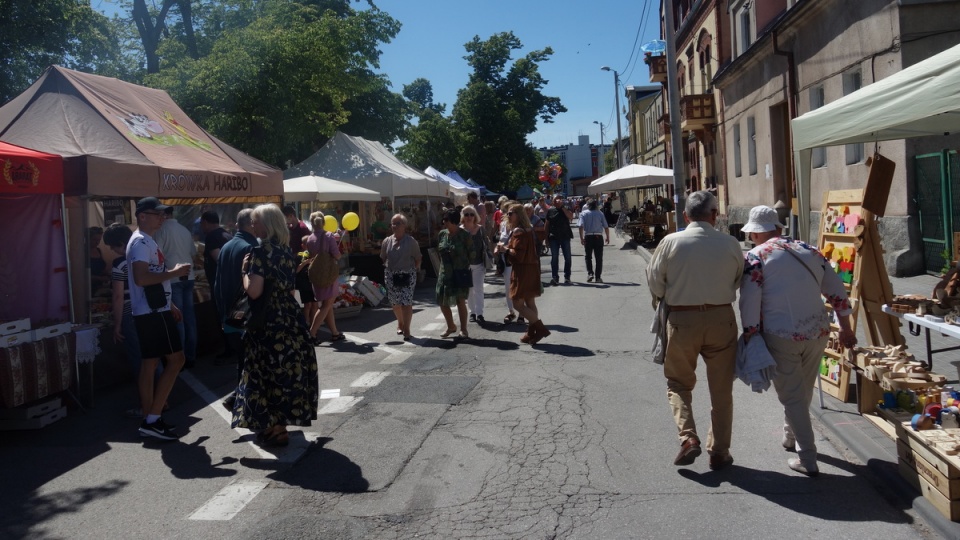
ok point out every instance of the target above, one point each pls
(454, 248)
(279, 385)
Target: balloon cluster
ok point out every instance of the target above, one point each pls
(550, 174)
(350, 222)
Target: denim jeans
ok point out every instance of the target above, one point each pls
(556, 245)
(182, 297)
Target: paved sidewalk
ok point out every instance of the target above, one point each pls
(870, 445)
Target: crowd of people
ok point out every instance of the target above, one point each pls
(268, 258)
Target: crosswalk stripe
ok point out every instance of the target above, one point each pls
(433, 327)
(330, 393)
(370, 378)
(339, 404)
(229, 501)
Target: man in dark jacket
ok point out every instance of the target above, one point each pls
(226, 285)
(559, 234)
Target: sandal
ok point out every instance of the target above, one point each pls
(399, 332)
(509, 318)
(338, 337)
(463, 335)
(449, 332)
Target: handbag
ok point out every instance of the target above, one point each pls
(324, 270)
(400, 279)
(248, 313)
(462, 279)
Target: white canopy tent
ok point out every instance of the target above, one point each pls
(370, 165)
(921, 100)
(631, 176)
(458, 189)
(320, 189)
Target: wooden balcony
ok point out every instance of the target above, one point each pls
(697, 111)
(658, 68)
(663, 126)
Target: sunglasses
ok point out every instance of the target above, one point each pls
(397, 223)
(151, 213)
(510, 213)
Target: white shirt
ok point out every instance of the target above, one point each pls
(142, 248)
(176, 244)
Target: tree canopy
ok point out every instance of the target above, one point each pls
(491, 119)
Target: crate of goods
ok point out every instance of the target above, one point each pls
(365, 288)
(50, 331)
(13, 340)
(928, 460)
(14, 327)
(32, 417)
(33, 371)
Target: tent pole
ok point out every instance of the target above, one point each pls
(66, 243)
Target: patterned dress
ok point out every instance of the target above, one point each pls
(279, 385)
(454, 253)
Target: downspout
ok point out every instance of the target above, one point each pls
(718, 137)
(791, 96)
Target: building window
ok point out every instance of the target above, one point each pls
(819, 155)
(745, 35)
(852, 81)
(737, 165)
(751, 145)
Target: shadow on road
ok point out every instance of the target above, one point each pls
(830, 497)
(188, 461)
(324, 470)
(568, 351)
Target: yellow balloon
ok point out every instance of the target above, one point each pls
(351, 221)
(330, 224)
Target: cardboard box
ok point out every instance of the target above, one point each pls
(12, 340)
(31, 411)
(14, 327)
(50, 331)
(370, 292)
(34, 423)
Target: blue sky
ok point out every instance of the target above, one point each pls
(584, 35)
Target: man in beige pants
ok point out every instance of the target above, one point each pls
(697, 273)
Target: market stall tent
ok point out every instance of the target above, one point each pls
(631, 176)
(458, 189)
(33, 261)
(124, 140)
(320, 189)
(921, 100)
(368, 164)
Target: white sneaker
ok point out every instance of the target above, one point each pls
(789, 443)
(809, 469)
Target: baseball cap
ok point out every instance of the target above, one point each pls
(762, 219)
(147, 204)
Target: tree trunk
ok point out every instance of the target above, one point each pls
(150, 31)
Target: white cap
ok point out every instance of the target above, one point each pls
(762, 219)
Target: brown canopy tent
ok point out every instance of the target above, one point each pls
(120, 140)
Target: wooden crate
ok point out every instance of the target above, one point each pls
(948, 487)
(928, 468)
(947, 507)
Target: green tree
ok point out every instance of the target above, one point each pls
(37, 34)
(287, 77)
(499, 108)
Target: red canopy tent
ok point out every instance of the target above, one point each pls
(33, 262)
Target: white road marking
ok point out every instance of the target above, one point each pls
(339, 405)
(396, 357)
(370, 378)
(229, 501)
(439, 317)
(330, 393)
(433, 327)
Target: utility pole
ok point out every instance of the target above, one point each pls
(616, 97)
(600, 151)
(673, 97)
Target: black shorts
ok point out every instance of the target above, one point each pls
(158, 334)
(303, 285)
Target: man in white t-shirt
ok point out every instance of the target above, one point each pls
(154, 317)
(176, 244)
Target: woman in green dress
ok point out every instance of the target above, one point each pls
(279, 385)
(454, 281)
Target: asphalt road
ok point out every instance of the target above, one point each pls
(571, 438)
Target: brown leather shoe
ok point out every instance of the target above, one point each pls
(537, 332)
(689, 451)
(718, 462)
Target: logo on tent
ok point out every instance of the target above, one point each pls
(22, 175)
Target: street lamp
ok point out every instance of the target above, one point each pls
(600, 152)
(616, 95)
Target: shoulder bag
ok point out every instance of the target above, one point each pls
(324, 270)
(247, 313)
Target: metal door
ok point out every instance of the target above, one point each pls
(937, 187)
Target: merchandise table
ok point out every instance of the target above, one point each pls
(927, 323)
